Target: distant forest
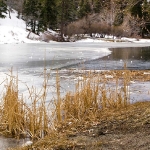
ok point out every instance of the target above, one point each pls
(116, 17)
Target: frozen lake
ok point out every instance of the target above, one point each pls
(29, 61)
(32, 57)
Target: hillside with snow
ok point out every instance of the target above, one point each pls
(14, 30)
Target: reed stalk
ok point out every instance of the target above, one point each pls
(12, 111)
(93, 96)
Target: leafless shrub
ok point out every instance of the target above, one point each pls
(76, 28)
(87, 27)
(117, 32)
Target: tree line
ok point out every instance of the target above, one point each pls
(57, 14)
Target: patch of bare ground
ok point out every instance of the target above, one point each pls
(128, 128)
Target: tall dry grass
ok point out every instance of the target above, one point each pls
(37, 117)
(21, 119)
(12, 108)
(93, 95)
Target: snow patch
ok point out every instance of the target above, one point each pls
(92, 40)
(13, 30)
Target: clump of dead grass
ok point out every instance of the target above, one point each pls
(19, 119)
(93, 100)
(92, 96)
(12, 109)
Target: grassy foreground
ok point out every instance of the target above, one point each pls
(84, 119)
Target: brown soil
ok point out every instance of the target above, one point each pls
(126, 129)
(122, 129)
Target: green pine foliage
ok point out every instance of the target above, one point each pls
(3, 9)
(40, 14)
(118, 19)
(48, 14)
(31, 12)
(67, 12)
(84, 8)
(97, 6)
(70, 9)
(136, 10)
(146, 10)
(31, 8)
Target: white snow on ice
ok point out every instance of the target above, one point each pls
(92, 40)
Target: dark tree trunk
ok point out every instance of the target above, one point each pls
(9, 10)
(62, 21)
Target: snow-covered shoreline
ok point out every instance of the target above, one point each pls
(13, 30)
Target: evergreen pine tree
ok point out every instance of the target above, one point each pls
(3, 9)
(49, 14)
(31, 11)
(146, 10)
(136, 9)
(81, 12)
(66, 14)
(84, 8)
(87, 7)
(97, 6)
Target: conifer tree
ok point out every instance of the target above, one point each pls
(66, 14)
(146, 10)
(31, 11)
(136, 9)
(3, 9)
(49, 13)
(97, 6)
(84, 8)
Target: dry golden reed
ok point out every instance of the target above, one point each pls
(12, 109)
(93, 95)
(19, 119)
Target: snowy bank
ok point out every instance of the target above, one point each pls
(114, 40)
(91, 40)
(13, 30)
